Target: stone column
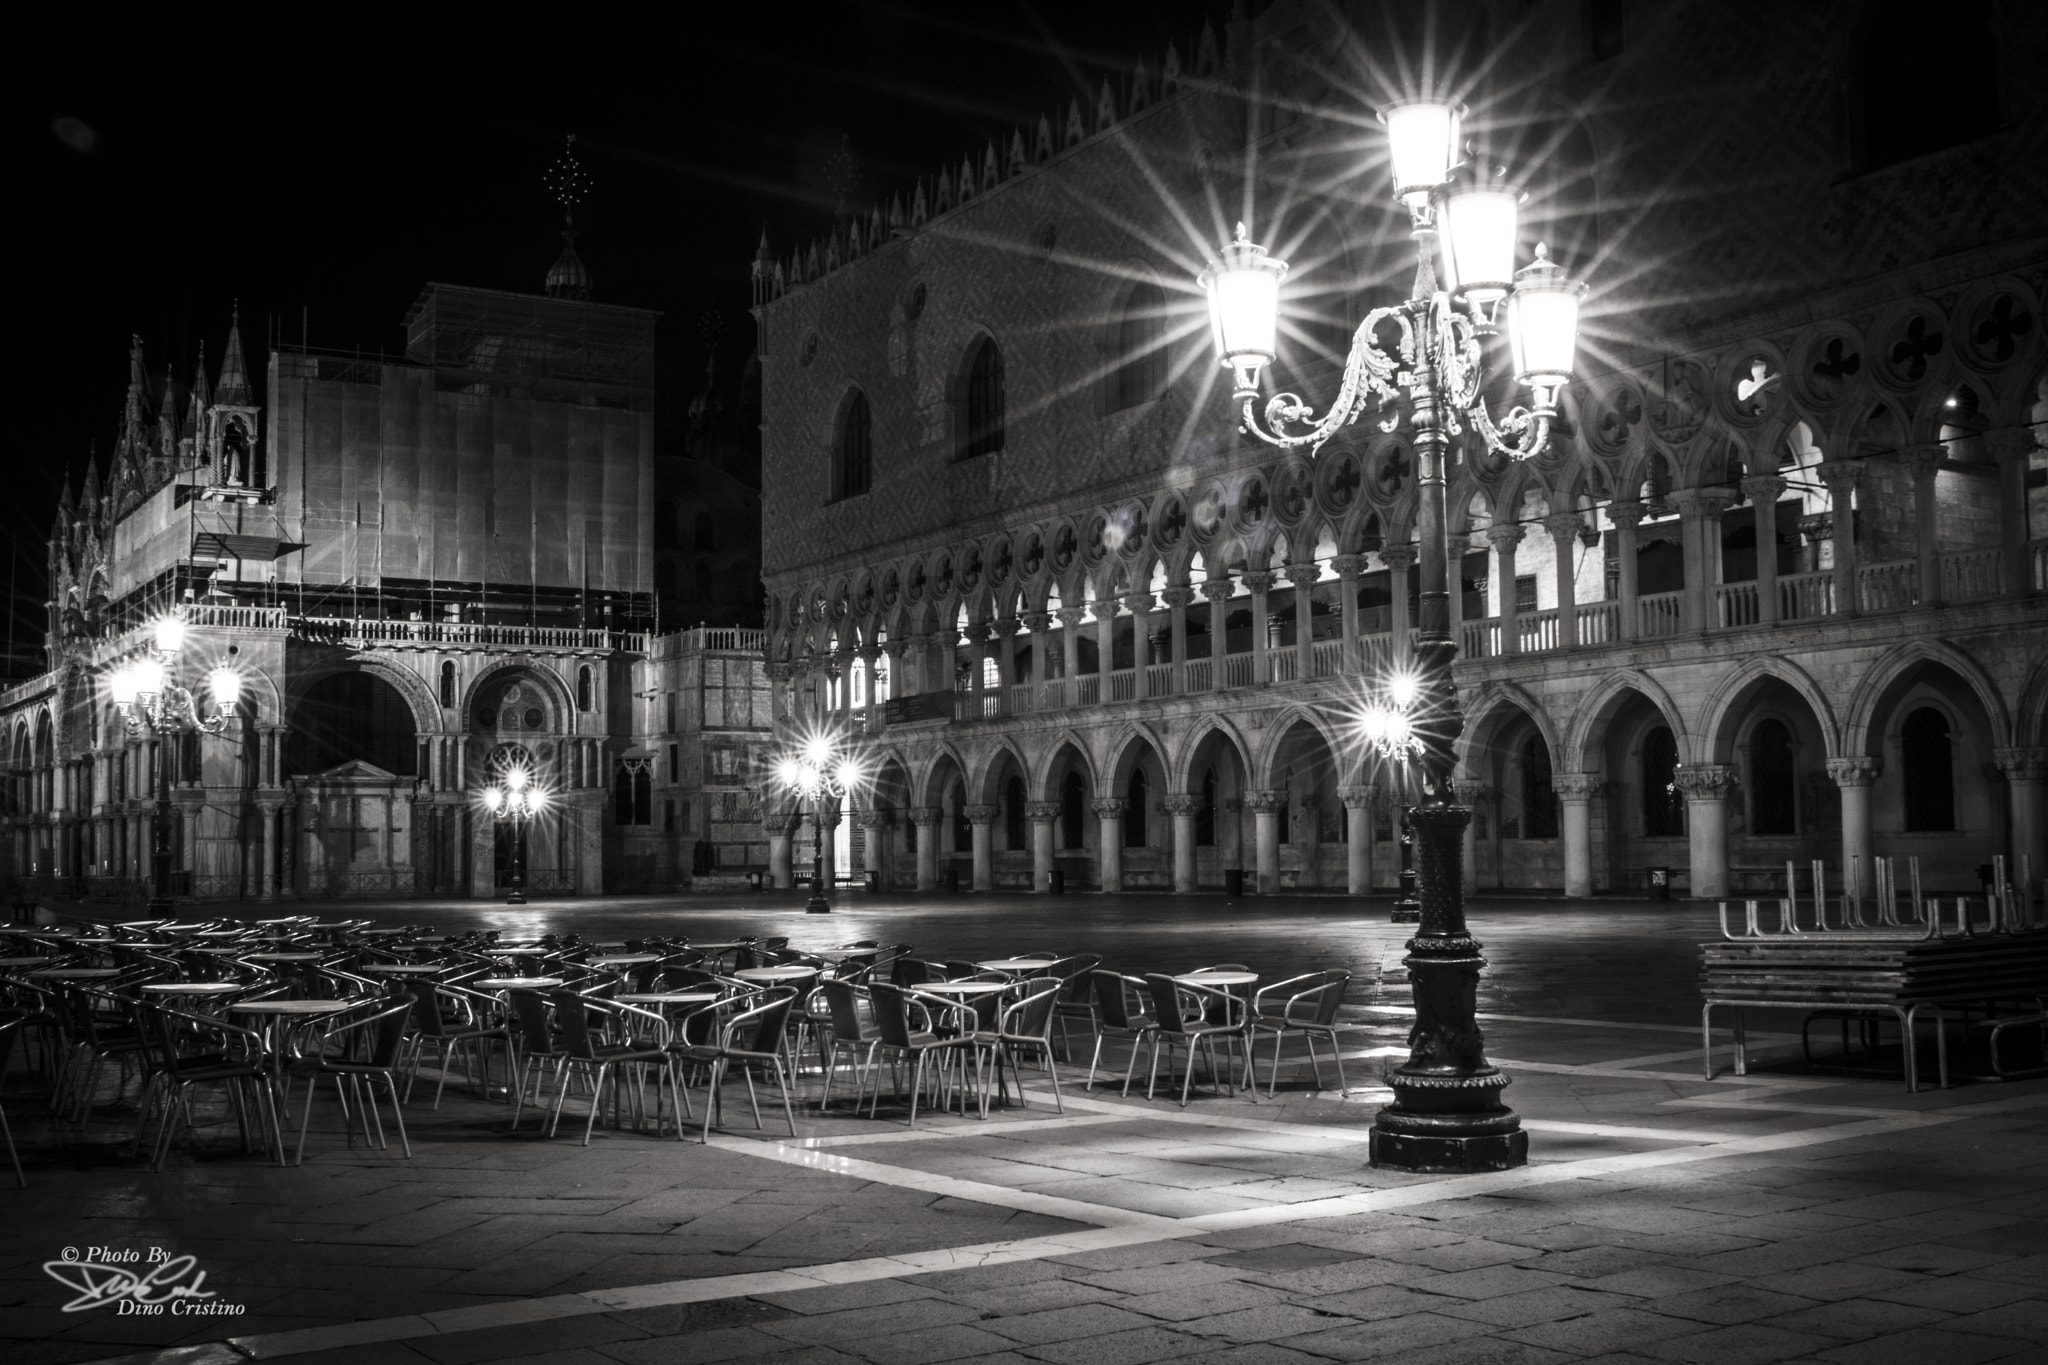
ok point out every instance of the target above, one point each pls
(979, 819)
(2026, 778)
(1042, 815)
(926, 819)
(1005, 652)
(875, 844)
(948, 642)
(1182, 808)
(1105, 644)
(1303, 576)
(1036, 623)
(1855, 776)
(1109, 814)
(826, 834)
(266, 850)
(1924, 462)
(1358, 803)
(1840, 477)
(1564, 530)
(1575, 793)
(1260, 584)
(1763, 494)
(1699, 530)
(979, 653)
(1265, 809)
(2012, 448)
(1626, 516)
(1504, 537)
(1070, 649)
(1706, 787)
(1399, 559)
(1217, 589)
(1471, 794)
(1140, 606)
(1347, 568)
(1176, 599)
(895, 651)
(871, 711)
(780, 857)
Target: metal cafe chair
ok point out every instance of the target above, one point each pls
(1025, 1022)
(900, 1041)
(845, 1028)
(10, 1027)
(604, 1062)
(231, 1057)
(753, 1034)
(334, 1053)
(1114, 1018)
(448, 1018)
(1307, 1005)
(1192, 1030)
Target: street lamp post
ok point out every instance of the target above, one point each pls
(818, 768)
(151, 702)
(514, 797)
(1424, 357)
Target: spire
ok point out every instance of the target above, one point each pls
(234, 375)
(67, 496)
(568, 277)
(202, 386)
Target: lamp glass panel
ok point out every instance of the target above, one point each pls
(122, 685)
(1423, 137)
(1245, 309)
(1479, 240)
(226, 685)
(1543, 330)
(149, 677)
(494, 797)
(170, 634)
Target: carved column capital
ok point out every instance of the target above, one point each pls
(1359, 798)
(977, 633)
(1003, 626)
(923, 816)
(1626, 515)
(1259, 581)
(1138, 603)
(1564, 526)
(1840, 475)
(1036, 621)
(1763, 489)
(1575, 786)
(1504, 535)
(1177, 595)
(876, 819)
(1923, 461)
(1856, 771)
(1042, 812)
(1110, 807)
(2011, 443)
(1217, 589)
(1304, 575)
(828, 817)
(779, 826)
(1697, 503)
(1704, 781)
(1348, 566)
(1071, 616)
(1183, 803)
(1399, 557)
(981, 815)
(1265, 802)
(1471, 792)
(894, 648)
(2022, 765)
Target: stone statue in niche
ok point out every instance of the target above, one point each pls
(1679, 413)
(234, 452)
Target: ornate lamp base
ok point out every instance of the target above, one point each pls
(817, 905)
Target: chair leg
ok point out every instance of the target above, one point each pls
(305, 1118)
(597, 1099)
(1092, 1063)
(397, 1118)
(782, 1080)
(711, 1105)
(1052, 1068)
(1337, 1052)
(1315, 1062)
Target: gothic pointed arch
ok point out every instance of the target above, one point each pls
(1893, 668)
(1721, 713)
(1583, 737)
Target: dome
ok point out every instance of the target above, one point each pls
(568, 277)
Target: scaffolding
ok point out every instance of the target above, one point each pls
(562, 350)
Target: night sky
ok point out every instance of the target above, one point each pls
(320, 165)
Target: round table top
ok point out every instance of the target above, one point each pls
(149, 947)
(281, 919)
(286, 957)
(373, 933)
(720, 947)
(493, 951)
(1015, 964)
(669, 998)
(519, 983)
(78, 973)
(221, 933)
(625, 960)
(963, 987)
(292, 1006)
(790, 973)
(402, 968)
(193, 987)
(182, 928)
(1219, 978)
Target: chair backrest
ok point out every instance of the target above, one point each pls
(843, 999)
(1330, 996)
(892, 1013)
(759, 1028)
(574, 1022)
(1074, 965)
(428, 1015)
(387, 1028)
(1165, 993)
(1031, 1015)
(911, 971)
(1109, 998)
(530, 1017)
(10, 1025)
(957, 970)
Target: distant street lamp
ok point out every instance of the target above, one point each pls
(1425, 359)
(820, 767)
(514, 797)
(151, 702)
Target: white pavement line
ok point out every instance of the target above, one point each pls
(975, 1130)
(1127, 1229)
(1620, 1130)
(1981, 1109)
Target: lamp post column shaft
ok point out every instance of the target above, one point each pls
(160, 852)
(1447, 1114)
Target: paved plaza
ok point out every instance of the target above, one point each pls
(1785, 1215)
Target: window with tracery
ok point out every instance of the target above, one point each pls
(983, 429)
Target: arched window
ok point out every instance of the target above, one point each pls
(1928, 756)
(632, 792)
(448, 684)
(1539, 802)
(983, 428)
(585, 688)
(854, 468)
(1205, 814)
(963, 828)
(1135, 803)
(1663, 803)
(1773, 804)
(1015, 834)
(1070, 811)
(1141, 356)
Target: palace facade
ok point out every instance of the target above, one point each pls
(1774, 594)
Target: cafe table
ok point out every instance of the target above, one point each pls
(1016, 966)
(194, 988)
(285, 957)
(1218, 979)
(668, 998)
(621, 961)
(278, 1018)
(770, 976)
(75, 973)
(518, 983)
(403, 968)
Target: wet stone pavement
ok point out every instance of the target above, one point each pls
(1785, 1215)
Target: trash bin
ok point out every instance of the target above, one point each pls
(871, 880)
(1233, 881)
(1056, 882)
(949, 882)
(1660, 883)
